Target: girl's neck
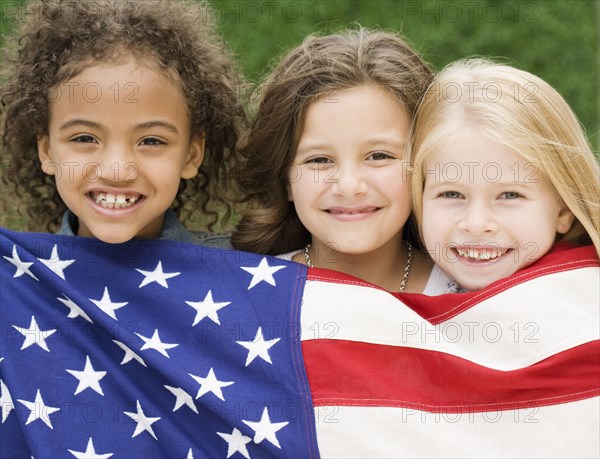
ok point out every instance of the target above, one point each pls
(384, 267)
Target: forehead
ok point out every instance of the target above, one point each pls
(123, 81)
(117, 56)
(117, 97)
(348, 106)
(472, 156)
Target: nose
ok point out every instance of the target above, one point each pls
(478, 219)
(349, 181)
(116, 163)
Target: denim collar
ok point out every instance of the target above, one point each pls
(172, 230)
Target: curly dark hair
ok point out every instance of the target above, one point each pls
(319, 66)
(59, 39)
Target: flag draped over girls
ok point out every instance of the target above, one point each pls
(164, 349)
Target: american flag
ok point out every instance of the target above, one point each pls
(149, 349)
(161, 349)
(509, 371)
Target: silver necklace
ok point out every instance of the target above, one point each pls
(405, 275)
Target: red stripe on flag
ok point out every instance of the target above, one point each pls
(347, 373)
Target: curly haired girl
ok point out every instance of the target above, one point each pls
(111, 109)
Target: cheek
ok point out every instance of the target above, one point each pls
(431, 228)
(395, 185)
(307, 186)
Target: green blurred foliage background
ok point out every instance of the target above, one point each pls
(554, 39)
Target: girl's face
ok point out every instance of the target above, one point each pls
(348, 180)
(486, 211)
(118, 144)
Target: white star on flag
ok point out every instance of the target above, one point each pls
(262, 272)
(157, 276)
(211, 384)
(236, 443)
(207, 308)
(22, 266)
(129, 354)
(155, 343)
(190, 454)
(74, 310)
(258, 347)
(55, 264)
(143, 423)
(106, 305)
(39, 410)
(88, 378)
(183, 398)
(90, 452)
(33, 335)
(265, 429)
(6, 402)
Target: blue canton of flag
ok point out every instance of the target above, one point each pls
(150, 349)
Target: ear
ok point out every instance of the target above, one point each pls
(194, 158)
(48, 166)
(565, 219)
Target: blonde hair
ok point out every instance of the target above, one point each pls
(523, 113)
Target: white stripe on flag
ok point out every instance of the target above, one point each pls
(565, 430)
(513, 329)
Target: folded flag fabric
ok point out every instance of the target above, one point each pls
(149, 349)
(160, 349)
(510, 371)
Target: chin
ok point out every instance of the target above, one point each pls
(114, 238)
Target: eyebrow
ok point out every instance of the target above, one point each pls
(163, 124)
(79, 122)
(93, 124)
(378, 142)
(386, 141)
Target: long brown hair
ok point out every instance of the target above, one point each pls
(319, 66)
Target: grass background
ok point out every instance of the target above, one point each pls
(554, 39)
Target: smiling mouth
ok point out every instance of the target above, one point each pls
(482, 254)
(115, 201)
(365, 210)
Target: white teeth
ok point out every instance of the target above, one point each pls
(111, 201)
(352, 212)
(481, 254)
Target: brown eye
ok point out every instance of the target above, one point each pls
(84, 139)
(151, 141)
(380, 155)
(319, 160)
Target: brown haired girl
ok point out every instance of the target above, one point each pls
(325, 177)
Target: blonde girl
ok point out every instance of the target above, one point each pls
(502, 172)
